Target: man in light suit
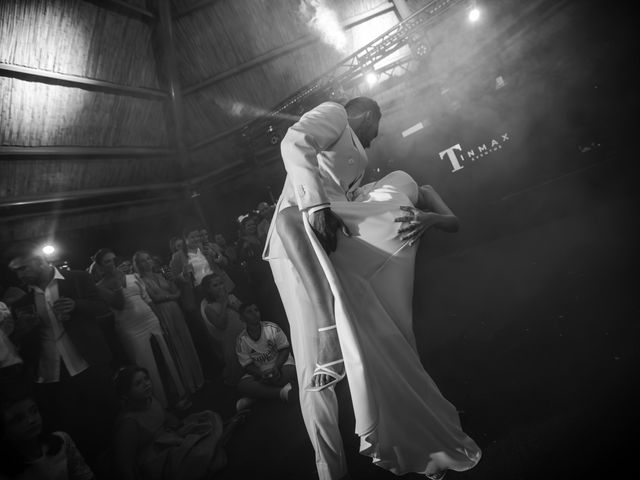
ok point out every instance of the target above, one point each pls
(70, 358)
(325, 160)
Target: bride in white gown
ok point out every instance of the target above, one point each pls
(404, 422)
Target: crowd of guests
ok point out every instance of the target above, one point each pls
(98, 366)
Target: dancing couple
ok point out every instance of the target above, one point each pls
(342, 255)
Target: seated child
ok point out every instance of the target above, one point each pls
(27, 453)
(265, 354)
(151, 443)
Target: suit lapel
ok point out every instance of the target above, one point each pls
(354, 139)
(362, 161)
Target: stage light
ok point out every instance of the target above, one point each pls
(371, 78)
(421, 49)
(322, 19)
(48, 249)
(474, 15)
(274, 137)
(411, 130)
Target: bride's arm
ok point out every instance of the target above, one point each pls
(429, 211)
(441, 215)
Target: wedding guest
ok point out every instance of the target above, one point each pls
(124, 265)
(71, 363)
(11, 363)
(219, 310)
(151, 443)
(258, 274)
(188, 266)
(28, 453)
(264, 214)
(228, 250)
(265, 354)
(182, 275)
(164, 295)
(249, 244)
(213, 250)
(139, 330)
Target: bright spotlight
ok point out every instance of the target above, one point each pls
(48, 249)
(474, 15)
(371, 78)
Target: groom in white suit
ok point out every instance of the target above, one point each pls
(325, 160)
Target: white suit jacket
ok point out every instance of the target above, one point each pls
(325, 162)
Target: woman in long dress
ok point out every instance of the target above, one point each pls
(139, 330)
(372, 273)
(164, 295)
(404, 423)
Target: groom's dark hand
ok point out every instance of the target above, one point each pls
(325, 225)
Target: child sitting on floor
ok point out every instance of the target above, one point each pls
(265, 354)
(151, 443)
(26, 453)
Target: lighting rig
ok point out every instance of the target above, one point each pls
(358, 74)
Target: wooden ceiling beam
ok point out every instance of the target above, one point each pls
(195, 7)
(124, 8)
(402, 9)
(87, 194)
(351, 66)
(254, 62)
(163, 190)
(290, 47)
(87, 208)
(368, 15)
(167, 59)
(81, 151)
(63, 79)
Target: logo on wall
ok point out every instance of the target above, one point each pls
(456, 155)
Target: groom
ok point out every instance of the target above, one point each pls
(325, 160)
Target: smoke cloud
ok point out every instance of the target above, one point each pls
(323, 21)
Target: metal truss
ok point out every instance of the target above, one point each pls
(407, 32)
(348, 75)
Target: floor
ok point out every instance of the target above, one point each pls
(533, 335)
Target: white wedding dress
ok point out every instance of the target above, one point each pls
(404, 422)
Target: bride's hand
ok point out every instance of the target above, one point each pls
(417, 222)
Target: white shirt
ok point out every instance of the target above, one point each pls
(200, 265)
(8, 354)
(56, 344)
(264, 351)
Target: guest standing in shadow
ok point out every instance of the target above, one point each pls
(164, 295)
(71, 363)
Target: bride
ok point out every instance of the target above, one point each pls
(348, 297)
